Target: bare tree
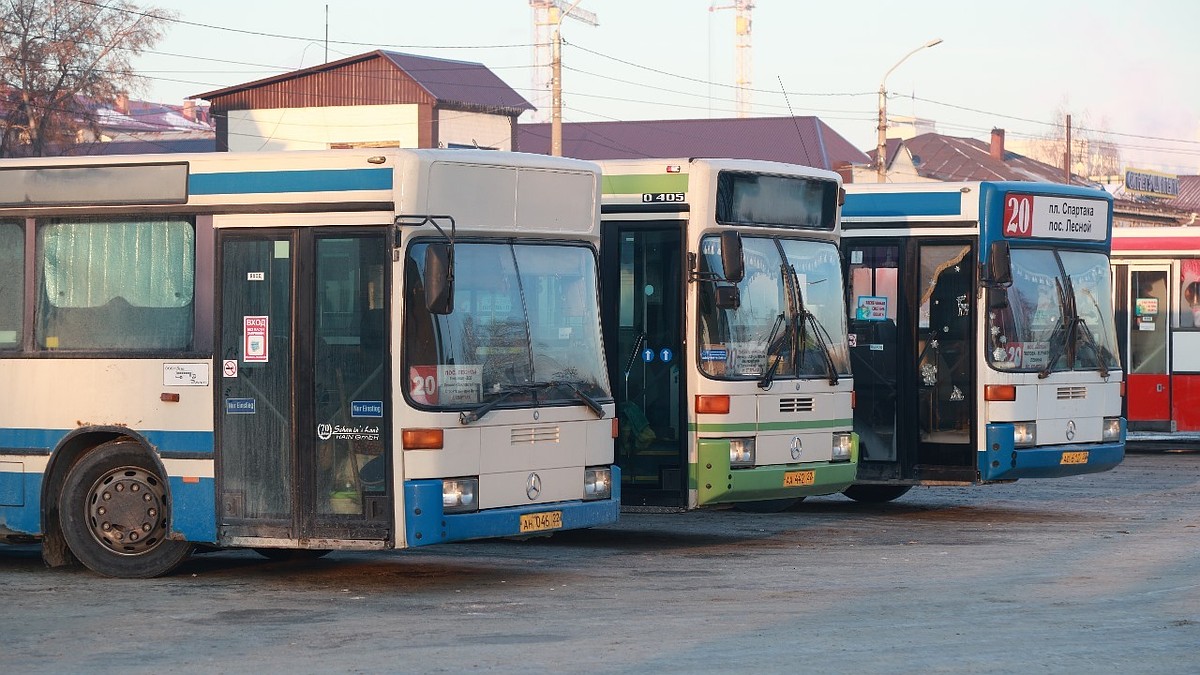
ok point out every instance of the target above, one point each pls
(59, 59)
(1093, 154)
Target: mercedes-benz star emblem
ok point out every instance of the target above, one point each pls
(533, 486)
(797, 447)
(1070, 430)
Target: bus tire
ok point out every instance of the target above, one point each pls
(768, 505)
(115, 513)
(292, 554)
(876, 494)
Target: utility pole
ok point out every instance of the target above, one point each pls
(556, 92)
(1067, 155)
(881, 148)
(546, 16)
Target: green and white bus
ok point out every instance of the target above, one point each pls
(298, 352)
(721, 292)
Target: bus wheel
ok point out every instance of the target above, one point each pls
(292, 554)
(768, 505)
(876, 494)
(114, 513)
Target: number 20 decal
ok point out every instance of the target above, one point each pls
(1018, 215)
(423, 384)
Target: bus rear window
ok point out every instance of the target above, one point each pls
(124, 285)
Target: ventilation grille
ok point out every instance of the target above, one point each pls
(538, 434)
(1072, 393)
(796, 405)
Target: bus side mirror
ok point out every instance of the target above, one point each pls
(728, 297)
(999, 267)
(731, 256)
(439, 278)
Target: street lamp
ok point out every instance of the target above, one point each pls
(881, 150)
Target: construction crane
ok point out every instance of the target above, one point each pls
(547, 14)
(742, 52)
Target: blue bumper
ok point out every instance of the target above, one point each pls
(426, 523)
(1002, 461)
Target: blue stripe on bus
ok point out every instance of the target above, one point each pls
(881, 204)
(432, 526)
(1001, 461)
(167, 442)
(194, 515)
(269, 182)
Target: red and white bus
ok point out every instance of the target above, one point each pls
(1156, 297)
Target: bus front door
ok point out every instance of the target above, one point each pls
(642, 286)
(911, 313)
(302, 406)
(1148, 387)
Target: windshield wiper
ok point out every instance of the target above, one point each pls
(823, 340)
(775, 345)
(806, 318)
(592, 404)
(469, 416)
(1067, 326)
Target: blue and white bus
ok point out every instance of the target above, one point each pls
(298, 352)
(981, 334)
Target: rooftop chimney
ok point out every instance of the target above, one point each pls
(189, 109)
(997, 151)
(122, 103)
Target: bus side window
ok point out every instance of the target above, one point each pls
(1189, 311)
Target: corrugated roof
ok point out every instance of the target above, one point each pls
(799, 140)
(1189, 193)
(462, 84)
(952, 158)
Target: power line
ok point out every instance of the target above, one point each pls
(279, 36)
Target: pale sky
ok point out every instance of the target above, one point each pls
(1127, 69)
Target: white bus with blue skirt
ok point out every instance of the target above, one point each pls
(299, 352)
(981, 334)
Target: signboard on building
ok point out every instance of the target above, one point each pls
(1152, 183)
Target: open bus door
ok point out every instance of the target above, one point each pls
(642, 286)
(914, 389)
(302, 407)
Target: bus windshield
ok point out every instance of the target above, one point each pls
(789, 323)
(524, 329)
(1056, 315)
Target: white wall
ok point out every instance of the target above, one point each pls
(493, 132)
(319, 128)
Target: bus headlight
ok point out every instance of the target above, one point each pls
(1112, 429)
(597, 483)
(459, 495)
(842, 446)
(741, 453)
(1024, 434)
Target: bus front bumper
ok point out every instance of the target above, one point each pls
(716, 483)
(426, 523)
(1002, 461)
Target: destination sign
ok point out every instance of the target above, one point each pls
(1047, 217)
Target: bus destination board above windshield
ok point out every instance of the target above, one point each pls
(1047, 217)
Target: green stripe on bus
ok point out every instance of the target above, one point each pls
(636, 184)
(770, 426)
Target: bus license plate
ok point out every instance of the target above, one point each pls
(536, 522)
(798, 478)
(1074, 457)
